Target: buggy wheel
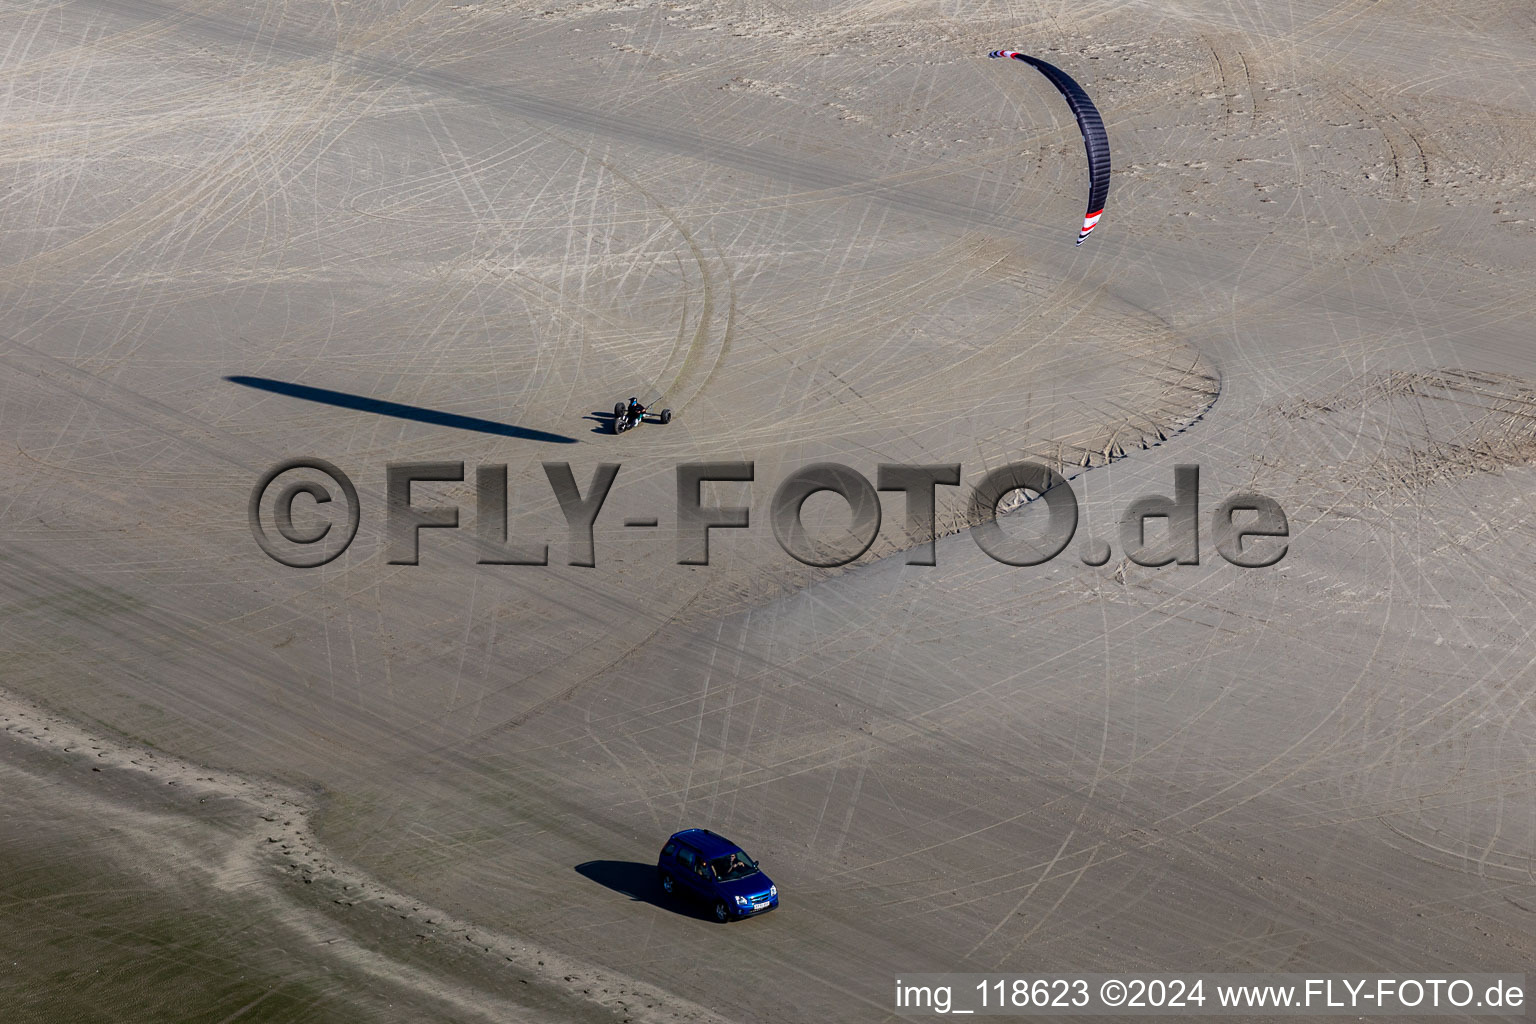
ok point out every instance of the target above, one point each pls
(666, 415)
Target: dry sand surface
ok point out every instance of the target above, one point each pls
(430, 231)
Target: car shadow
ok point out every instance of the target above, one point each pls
(638, 882)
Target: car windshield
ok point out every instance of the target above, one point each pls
(735, 865)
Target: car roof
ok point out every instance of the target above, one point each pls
(707, 842)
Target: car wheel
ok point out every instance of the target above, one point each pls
(722, 912)
(668, 886)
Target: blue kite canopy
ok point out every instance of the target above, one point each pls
(1095, 138)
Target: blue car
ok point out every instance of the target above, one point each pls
(701, 865)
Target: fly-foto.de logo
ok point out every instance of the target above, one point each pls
(305, 512)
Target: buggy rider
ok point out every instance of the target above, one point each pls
(636, 410)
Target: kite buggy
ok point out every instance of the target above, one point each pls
(628, 414)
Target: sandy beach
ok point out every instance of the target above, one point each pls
(415, 232)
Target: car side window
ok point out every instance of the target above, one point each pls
(686, 856)
(669, 850)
